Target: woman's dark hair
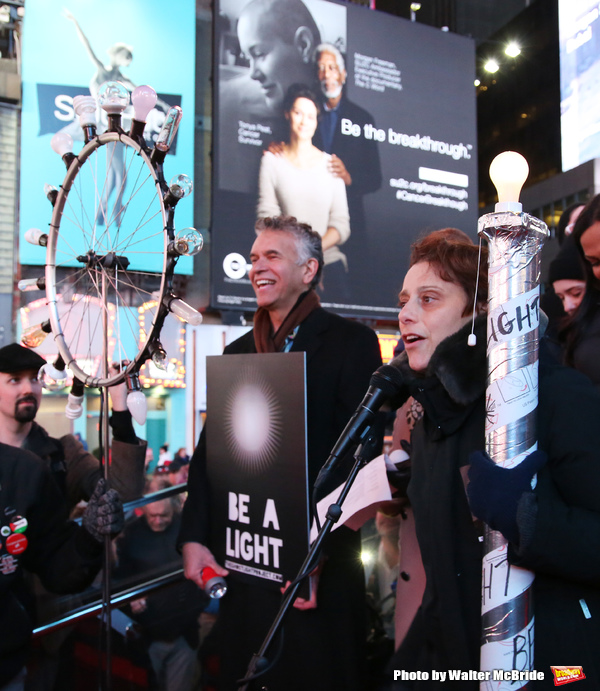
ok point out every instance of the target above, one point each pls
(455, 258)
(297, 91)
(577, 325)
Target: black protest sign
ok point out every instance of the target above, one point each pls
(257, 467)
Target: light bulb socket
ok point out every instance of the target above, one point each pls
(157, 157)
(89, 132)
(114, 122)
(515, 207)
(137, 129)
(51, 194)
(132, 380)
(173, 196)
(68, 158)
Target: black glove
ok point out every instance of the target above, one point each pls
(104, 513)
(494, 491)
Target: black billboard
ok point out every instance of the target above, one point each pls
(402, 121)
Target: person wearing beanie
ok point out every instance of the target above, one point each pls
(567, 276)
(74, 469)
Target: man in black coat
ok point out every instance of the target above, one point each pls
(75, 470)
(36, 536)
(322, 645)
(355, 159)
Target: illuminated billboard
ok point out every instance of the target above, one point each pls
(579, 36)
(392, 154)
(71, 50)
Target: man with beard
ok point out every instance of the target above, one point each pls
(75, 470)
(354, 159)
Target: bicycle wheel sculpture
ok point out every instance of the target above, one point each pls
(112, 244)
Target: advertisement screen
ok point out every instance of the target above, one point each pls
(579, 36)
(72, 50)
(383, 150)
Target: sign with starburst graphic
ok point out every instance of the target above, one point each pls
(257, 464)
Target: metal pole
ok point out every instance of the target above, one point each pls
(515, 242)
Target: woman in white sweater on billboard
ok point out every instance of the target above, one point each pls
(297, 182)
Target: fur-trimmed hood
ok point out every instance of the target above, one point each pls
(461, 369)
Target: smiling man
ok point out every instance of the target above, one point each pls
(322, 650)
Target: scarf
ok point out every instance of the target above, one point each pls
(268, 342)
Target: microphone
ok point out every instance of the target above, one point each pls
(386, 383)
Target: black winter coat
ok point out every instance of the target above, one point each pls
(36, 536)
(560, 541)
(322, 648)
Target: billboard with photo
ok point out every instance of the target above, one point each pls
(393, 152)
(579, 37)
(72, 49)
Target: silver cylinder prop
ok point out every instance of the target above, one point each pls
(515, 241)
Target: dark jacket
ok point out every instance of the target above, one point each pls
(144, 553)
(559, 534)
(77, 471)
(323, 647)
(62, 554)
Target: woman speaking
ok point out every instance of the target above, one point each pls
(297, 182)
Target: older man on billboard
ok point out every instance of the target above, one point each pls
(354, 159)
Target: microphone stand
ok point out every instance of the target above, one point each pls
(259, 664)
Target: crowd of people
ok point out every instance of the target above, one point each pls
(429, 565)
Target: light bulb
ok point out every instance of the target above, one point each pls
(34, 336)
(188, 242)
(160, 360)
(136, 404)
(26, 285)
(51, 378)
(169, 129)
(144, 99)
(34, 236)
(74, 407)
(51, 193)
(185, 312)
(85, 108)
(183, 183)
(62, 143)
(136, 401)
(508, 172)
(113, 97)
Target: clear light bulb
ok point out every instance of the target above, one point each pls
(185, 312)
(183, 183)
(159, 355)
(51, 378)
(508, 172)
(85, 108)
(143, 99)
(35, 236)
(62, 143)
(113, 97)
(26, 285)
(169, 129)
(34, 336)
(188, 242)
